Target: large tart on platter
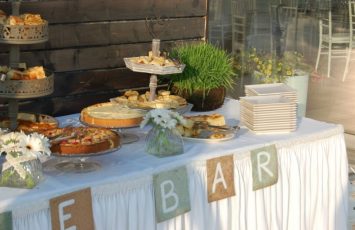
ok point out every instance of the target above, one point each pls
(28, 122)
(82, 140)
(111, 115)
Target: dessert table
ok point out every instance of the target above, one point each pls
(311, 192)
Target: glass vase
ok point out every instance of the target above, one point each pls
(9, 177)
(162, 142)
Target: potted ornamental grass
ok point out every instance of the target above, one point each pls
(208, 72)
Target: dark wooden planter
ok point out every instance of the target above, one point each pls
(212, 100)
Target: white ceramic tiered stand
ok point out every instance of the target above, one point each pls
(154, 70)
(14, 90)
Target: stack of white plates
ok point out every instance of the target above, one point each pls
(268, 114)
(271, 89)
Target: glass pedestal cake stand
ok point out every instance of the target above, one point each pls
(80, 163)
(125, 137)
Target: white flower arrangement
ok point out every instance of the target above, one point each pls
(22, 167)
(163, 118)
(21, 144)
(163, 139)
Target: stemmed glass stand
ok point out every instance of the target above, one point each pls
(80, 163)
(126, 138)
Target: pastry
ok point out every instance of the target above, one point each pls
(33, 73)
(153, 60)
(163, 101)
(197, 124)
(28, 122)
(14, 21)
(82, 140)
(112, 115)
(212, 119)
(32, 19)
(36, 72)
(23, 19)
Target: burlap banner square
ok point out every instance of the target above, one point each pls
(220, 178)
(72, 210)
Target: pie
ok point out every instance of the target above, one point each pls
(164, 100)
(82, 140)
(112, 115)
(29, 123)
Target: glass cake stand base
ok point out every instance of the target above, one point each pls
(78, 166)
(127, 138)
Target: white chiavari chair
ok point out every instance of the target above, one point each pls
(333, 44)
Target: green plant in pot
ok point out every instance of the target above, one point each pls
(208, 72)
(268, 68)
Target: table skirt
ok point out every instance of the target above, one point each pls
(311, 193)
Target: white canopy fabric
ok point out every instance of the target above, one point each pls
(311, 192)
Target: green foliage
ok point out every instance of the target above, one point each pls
(267, 68)
(207, 67)
(10, 178)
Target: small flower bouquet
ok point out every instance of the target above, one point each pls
(22, 167)
(268, 68)
(163, 139)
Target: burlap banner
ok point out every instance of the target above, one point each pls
(72, 211)
(264, 166)
(171, 191)
(220, 178)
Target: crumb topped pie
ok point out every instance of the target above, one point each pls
(82, 140)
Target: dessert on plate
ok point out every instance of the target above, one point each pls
(164, 100)
(33, 73)
(204, 126)
(20, 20)
(153, 60)
(28, 122)
(82, 140)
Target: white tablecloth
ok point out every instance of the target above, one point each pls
(311, 192)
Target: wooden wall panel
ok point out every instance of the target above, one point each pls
(117, 32)
(88, 40)
(96, 57)
(74, 11)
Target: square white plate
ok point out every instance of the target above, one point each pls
(267, 89)
(270, 100)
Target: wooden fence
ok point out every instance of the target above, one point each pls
(88, 40)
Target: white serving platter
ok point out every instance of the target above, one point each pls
(153, 69)
(228, 136)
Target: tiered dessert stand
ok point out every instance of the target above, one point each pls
(14, 90)
(154, 70)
